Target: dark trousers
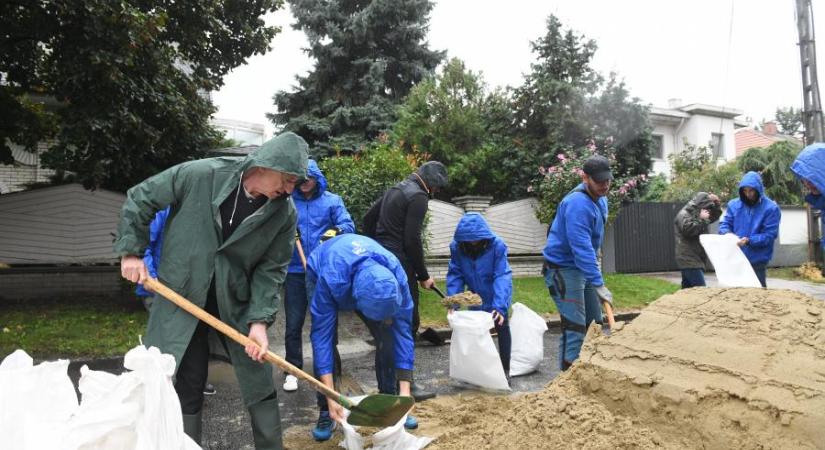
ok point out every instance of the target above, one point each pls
(693, 278)
(194, 366)
(412, 281)
(761, 272)
(505, 343)
(295, 309)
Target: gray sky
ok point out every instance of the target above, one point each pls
(735, 53)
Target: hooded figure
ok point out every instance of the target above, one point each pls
(354, 273)
(754, 218)
(478, 261)
(689, 224)
(321, 214)
(395, 221)
(224, 250)
(809, 167)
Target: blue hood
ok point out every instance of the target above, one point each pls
(376, 291)
(754, 181)
(810, 164)
(315, 172)
(473, 227)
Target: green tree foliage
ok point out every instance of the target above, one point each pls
(368, 55)
(694, 169)
(454, 120)
(789, 120)
(564, 103)
(773, 163)
(360, 179)
(125, 78)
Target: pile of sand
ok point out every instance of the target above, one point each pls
(809, 271)
(718, 368)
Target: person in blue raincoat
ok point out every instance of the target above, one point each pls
(321, 215)
(571, 267)
(754, 219)
(355, 273)
(809, 167)
(478, 261)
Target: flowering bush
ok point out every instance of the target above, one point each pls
(558, 180)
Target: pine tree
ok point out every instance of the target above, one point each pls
(368, 56)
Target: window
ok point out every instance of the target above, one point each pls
(658, 147)
(717, 145)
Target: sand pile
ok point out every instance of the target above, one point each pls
(703, 368)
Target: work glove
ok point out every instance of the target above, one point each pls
(604, 294)
(331, 233)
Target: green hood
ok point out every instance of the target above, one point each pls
(286, 153)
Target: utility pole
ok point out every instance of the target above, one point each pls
(812, 112)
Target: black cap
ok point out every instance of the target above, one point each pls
(598, 168)
(434, 174)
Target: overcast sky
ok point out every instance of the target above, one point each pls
(736, 53)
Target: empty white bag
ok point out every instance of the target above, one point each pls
(473, 355)
(732, 266)
(390, 438)
(527, 330)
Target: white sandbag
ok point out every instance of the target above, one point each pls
(527, 330)
(35, 402)
(473, 355)
(138, 409)
(390, 438)
(732, 266)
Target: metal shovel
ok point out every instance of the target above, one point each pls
(376, 410)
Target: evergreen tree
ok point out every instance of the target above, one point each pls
(368, 56)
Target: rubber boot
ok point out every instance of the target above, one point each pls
(266, 425)
(192, 426)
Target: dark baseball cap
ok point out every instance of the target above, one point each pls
(598, 168)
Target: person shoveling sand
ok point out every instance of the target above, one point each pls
(718, 368)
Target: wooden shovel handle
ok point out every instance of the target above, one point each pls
(608, 311)
(301, 252)
(233, 334)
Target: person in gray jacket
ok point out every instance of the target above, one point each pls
(692, 221)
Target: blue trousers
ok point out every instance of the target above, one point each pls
(693, 278)
(295, 310)
(578, 306)
(761, 272)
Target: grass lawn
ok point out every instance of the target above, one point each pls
(629, 292)
(787, 273)
(71, 328)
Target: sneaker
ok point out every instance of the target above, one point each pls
(410, 423)
(324, 428)
(209, 389)
(290, 383)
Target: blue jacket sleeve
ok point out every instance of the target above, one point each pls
(152, 256)
(578, 220)
(341, 217)
(726, 225)
(324, 326)
(816, 201)
(769, 230)
(455, 279)
(502, 281)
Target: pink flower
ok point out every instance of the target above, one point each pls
(560, 156)
(529, 188)
(609, 139)
(542, 170)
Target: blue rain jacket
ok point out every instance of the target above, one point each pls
(810, 164)
(759, 223)
(577, 234)
(489, 274)
(334, 265)
(151, 257)
(322, 211)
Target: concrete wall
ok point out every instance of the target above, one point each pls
(25, 170)
(61, 282)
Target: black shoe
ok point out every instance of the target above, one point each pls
(209, 389)
(420, 394)
(432, 337)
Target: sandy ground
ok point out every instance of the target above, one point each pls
(703, 368)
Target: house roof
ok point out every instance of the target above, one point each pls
(59, 225)
(747, 138)
(676, 115)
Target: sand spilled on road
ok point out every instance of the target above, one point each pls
(703, 368)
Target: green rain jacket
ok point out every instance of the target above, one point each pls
(248, 269)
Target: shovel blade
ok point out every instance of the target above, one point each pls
(380, 410)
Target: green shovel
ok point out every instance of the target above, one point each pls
(376, 410)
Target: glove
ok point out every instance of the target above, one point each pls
(331, 233)
(604, 294)
(297, 234)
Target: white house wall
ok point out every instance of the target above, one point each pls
(697, 130)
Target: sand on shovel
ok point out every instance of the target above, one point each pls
(703, 368)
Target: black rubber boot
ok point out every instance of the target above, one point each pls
(192, 426)
(266, 425)
(420, 394)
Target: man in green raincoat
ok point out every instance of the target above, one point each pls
(227, 244)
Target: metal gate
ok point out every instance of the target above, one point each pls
(644, 237)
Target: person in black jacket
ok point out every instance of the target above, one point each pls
(395, 221)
